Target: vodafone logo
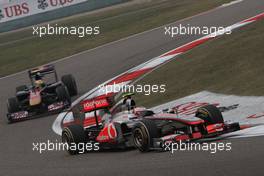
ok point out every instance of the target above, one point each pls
(94, 104)
(112, 131)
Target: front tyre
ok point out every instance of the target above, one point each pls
(210, 114)
(143, 134)
(70, 83)
(13, 105)
(63, 94)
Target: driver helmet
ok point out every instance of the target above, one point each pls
(39, 83)
(38, 76)
(38, 80)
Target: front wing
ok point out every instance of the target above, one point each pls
(213, 131)
(50, 109)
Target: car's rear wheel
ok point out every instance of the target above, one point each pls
(63, 94)
(210, 114)
(74, 135)
(143, 135)
(70, 83)
(13, 105)
(21, 88)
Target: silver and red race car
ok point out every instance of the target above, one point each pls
(44, 95)
(113, 126)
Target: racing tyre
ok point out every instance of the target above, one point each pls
(63, 94)
(143, 135)
(21, 88)
(74, 135)
(210, 114)
(70, 83)
(13, 105)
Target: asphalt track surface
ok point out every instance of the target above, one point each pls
(96, 66)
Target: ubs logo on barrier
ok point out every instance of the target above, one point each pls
(15, 10)
(43, 4)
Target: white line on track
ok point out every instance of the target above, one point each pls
(231, 3)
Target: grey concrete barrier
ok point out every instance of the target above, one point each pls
(87, 6)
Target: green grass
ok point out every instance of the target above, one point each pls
(21, 50)
(231, 64)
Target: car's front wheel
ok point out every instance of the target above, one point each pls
(70, 83)
(210, 114)
(13, 105)
(63, 94)
(143, 134)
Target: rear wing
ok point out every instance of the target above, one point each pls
(91, 105)
(43, 70)
(46, 69)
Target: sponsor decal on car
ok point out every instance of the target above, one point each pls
(19, 115)
(55, 106)
(91, 105)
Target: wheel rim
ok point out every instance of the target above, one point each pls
(138, 138)
(65, 138)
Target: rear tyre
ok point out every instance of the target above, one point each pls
(73, 135)
(143, 135)
(13, 105)
(70, 83)
(21, 88)
(63, 94)
(210, 114)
